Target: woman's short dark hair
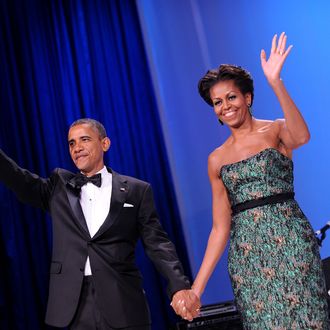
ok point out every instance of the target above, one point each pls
(96, 125)
(241, 78)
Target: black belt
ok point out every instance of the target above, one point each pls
(261, 201)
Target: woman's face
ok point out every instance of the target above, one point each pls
(230, 105)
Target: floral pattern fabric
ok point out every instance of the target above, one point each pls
(273, 259)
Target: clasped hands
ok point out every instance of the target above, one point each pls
(186, 304)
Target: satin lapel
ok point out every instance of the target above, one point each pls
(118, 197)
(77, 210)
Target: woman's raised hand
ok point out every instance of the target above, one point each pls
(278, 53)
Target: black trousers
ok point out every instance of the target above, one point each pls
(88, 316)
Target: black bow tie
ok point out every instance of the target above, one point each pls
(79, 180)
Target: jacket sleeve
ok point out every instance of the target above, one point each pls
(28, 187)
(158, 246)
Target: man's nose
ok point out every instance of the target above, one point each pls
(77, 148)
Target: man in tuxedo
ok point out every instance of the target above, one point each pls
(97, 218)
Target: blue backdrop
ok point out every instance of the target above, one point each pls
(183, 39)
(59, 61)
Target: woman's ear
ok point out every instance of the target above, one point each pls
(248, 98)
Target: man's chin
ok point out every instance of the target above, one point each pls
(80, 164)
(81, 168)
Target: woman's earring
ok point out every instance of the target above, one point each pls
(221, 123)
(250, 109)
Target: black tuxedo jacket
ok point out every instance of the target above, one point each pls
(117, 280)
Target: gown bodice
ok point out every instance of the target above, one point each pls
(266, 173)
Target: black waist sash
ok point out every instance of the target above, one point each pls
(273, 199)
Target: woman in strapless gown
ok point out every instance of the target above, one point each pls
(273, 261)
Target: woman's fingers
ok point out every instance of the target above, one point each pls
(273, 49)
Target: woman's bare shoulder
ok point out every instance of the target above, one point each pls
(218, 153)
(217, 158)
(263, 122)
(265, 125)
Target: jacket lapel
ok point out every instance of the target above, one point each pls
(73, 197)
(118, 197)
(77, 210)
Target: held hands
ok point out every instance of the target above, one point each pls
(278, 53)
(186, 304)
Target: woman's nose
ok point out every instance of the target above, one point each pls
(225, 104)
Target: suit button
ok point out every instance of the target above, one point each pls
(81, 269)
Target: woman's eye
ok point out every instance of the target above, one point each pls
(232, 97)
(216, 103)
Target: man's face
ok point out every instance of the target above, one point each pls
(87, 148)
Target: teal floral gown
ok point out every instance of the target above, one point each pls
(273, 259)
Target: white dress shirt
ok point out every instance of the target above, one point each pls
(95, 203)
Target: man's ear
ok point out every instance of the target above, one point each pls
(106, 143)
